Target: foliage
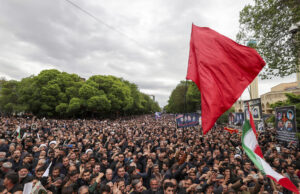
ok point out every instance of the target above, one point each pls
(184, 91)
(58, 94)
(268, 22)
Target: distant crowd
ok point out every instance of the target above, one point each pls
(135, 155)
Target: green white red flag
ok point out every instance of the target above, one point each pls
(252, 149)
(19, 132)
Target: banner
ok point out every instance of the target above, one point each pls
(285, 123)
(256, 111)
(236, 118)
(187, 120)
(157, 115)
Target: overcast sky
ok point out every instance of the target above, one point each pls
(143, 41)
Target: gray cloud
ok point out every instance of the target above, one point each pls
(38, 35)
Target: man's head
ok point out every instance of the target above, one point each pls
(65, 161)
(17, 154)
(2, 155)
(137, 185)
(109, 174)
(290, 169)
(188, 182)
(121, 157)
(83, 190)
(121, 185)
(121, 171)
(247, 165)
(39, 172)
(6, 166)
(23, 171)
(86, 175)
(154, 184)
(11, 178)
(56, 172)
(169, 188)
(96, 168)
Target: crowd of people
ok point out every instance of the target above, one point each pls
(135, 155)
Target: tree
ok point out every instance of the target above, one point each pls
(58, 94)
(224, 118)
(185, 92)
(100, 104)
(268, 22)
(9, 96)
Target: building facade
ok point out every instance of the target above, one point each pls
(276, 94)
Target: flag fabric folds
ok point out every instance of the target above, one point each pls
(46, 173)
(19, 132)
(230, 130)
(222, 69)
(252, 149)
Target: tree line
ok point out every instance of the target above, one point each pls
(59, 94)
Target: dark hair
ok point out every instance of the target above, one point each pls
(23, 166)
(67, 190)
(131, 169)
(73, 172)
(137, 176)
(120, 180)
(40, 169)
(168, 184)
(56, 168)
(119, 168)
(104, 188)
(13, 177)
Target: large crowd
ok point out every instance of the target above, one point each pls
(135, 155)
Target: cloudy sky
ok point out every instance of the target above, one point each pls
(143, 41)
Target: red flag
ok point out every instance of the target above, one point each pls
(230, 130)
(222, 69)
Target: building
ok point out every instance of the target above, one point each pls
(276, 94)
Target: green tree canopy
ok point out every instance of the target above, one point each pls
(184, 91)
(58, 94)
(268, 22)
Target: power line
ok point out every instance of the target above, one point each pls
(107, 25)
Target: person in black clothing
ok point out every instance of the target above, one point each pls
(16, 159)
(85, 179)
(65, 166)
(11, 183)
(24, 176)
(108, 176)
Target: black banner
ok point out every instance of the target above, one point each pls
(236, 118)
(285, 123)
(256, 111)
(187, 119)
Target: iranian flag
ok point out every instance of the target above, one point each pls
(19, 132)
(254, 152)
